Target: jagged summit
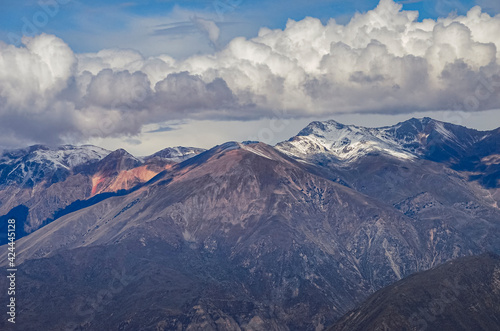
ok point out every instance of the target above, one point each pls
(117, 161)
(67, 155)
(36, 163)
(342, 142)
(317, 127)
(414, 138)
(176, 154)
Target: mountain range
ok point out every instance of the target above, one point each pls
(38, 183)
(247, 236)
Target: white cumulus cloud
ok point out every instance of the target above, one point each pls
(382, 61)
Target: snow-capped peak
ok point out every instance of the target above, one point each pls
(66, 156)
(343, 142)
(417, 137)
(33, 164)
(71, 156)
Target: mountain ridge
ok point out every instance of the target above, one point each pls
(463, 294)
(245, 236)
(46, 180)
(459, 147)
(406, 136)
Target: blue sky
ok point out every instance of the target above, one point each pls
(88, 26)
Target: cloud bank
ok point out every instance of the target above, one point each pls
(382, 61)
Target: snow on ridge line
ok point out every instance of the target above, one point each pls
(175, 154)
(66, 156)
(70, 158)
(346, 142)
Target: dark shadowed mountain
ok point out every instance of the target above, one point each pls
(460, 295)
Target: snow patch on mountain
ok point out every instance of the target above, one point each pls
(39, 162)
(71, 156)
(411, 139)
(66, 156)
(344, 142)
(176, 154)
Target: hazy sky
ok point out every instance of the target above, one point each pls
(145, 75)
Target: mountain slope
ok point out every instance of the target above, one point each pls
(30, 166)
(238, 237)
(46, 180)
(436, 196)
(251, 237)
(461, 148)
(463, 294)
(279, 237)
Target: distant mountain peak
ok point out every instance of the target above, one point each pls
(317, 127)
(176, 154)
(223, 156)
(341, 142)
(414, 138)
(230, 145)
(28, 166)
(120, 152)
(258, 148)
(117, 161)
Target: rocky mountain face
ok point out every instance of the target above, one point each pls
(456, 146)
(396, 166)
(251, 234)
(33, 165)
(37, 182)
(460, 295)
(254, 237)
